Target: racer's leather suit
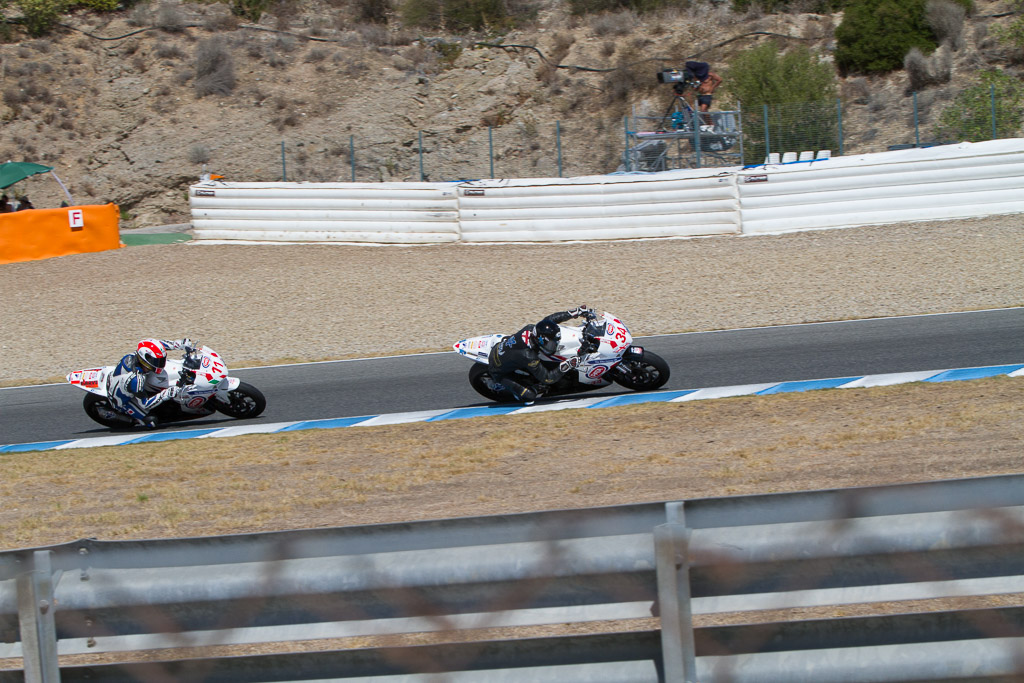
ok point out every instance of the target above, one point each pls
(134, 391)
(516, 352)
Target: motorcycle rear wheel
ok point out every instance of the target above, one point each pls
(647, 374)
(246, 401)
(98, 408)
(481, 381)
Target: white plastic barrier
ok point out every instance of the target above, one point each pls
(951, 181)
(669, 204)
(392, 213)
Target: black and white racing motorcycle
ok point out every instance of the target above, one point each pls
(616, 360)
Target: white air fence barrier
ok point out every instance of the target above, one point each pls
(389, 213)
(670, 204)
(951, 181)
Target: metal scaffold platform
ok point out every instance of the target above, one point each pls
(683, 138)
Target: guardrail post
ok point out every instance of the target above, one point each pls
(36, 623)
(671, 550)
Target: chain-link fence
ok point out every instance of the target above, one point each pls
(652, 141)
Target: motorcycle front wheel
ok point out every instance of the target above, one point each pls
(642, 375)
(99, 409)
(244, 402)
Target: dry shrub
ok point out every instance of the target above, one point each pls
(316, 54)
(169, 18)
(560, 48)
(168, 51)
(374, 35)
(214, 69)
(274, 59)
(285, 12)
(613, 23)
(285, 121)
(199, 154)
(140, 15)
(925, 71)
(946, 19)
(220, 20)
(856, 90)
(286, 43)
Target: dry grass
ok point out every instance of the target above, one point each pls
(557, 459)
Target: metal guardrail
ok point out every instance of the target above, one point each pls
(670, 560)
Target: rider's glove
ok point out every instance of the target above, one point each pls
(171, 392)
(579, 311)
(569, 364)
(188, 344)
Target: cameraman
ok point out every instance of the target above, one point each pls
(707, 80)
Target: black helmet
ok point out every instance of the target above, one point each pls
(546, 335)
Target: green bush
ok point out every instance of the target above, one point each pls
(249, 9)
(98, 5)
(875, 35)
(969, 116)
(777, 6)
(457, 15)
(372, 11)
(792, 93)
(40, 15)
(1012, 34)
(583, 7)
(765, 75)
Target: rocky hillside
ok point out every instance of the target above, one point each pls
(131, 107)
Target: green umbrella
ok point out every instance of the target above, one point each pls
(13, 171)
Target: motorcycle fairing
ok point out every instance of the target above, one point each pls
(477, 348)
(93, 380)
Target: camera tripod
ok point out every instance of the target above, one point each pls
(680, 116)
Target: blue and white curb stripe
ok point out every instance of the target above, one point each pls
(676, 396)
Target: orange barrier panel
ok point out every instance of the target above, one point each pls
(44, 233)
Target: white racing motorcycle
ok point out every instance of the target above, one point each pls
(615, 360)
(204, 384)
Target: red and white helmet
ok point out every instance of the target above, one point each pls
(150, 355)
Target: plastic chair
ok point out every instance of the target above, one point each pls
(788, 157)
(772, 158)
(824, 154)
(807, 156)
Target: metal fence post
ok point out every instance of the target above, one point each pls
(558, 145)
(767, 136)
(739, 120)
(352, 155)
(698, 121)
(625, 156)
(284, 171)
(671, 550)
(839, 119)
(490, 148)
(992, 96)
(421, 155)
(36, 623)
(917, 130)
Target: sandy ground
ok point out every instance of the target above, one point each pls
(259, 304)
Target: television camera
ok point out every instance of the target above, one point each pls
(681, 79)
